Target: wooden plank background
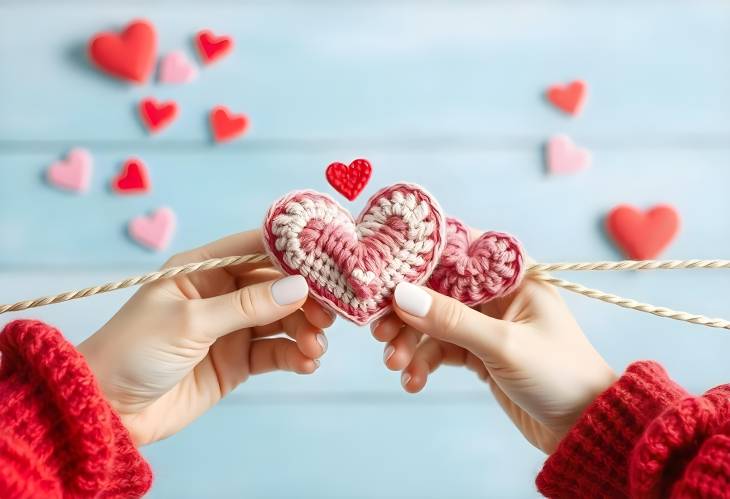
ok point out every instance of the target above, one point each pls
(445, 94)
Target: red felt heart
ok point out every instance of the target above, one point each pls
(225, 125)
(642, 235)
(129, 55)
(349, 180)
(133, 178)
(353, 266)
(212, 47)
(568, 98)
(157, 115)
(475, 272)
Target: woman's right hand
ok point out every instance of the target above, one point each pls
(541, 368)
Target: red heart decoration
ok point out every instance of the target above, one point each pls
(642, 236)
(129, 55)
(353, 266)
(212, 47)
(157, 115)
(475, 272)
(349, 180)
(568, 98)
(133, 178)
(226, 126)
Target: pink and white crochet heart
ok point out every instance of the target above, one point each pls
(476, 272)
(352, 266)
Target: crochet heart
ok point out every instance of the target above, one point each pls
(129, 55)
(349, 180)
(212, 47)
(73, 173)
(154, 231)
(175, 67)
(133, 178)
(225, 125)
(568, 98)
(157, 115)
(564, 157)
(353, 266)
(642, 235)
(475, 272)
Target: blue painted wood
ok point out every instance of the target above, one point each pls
(384, 70)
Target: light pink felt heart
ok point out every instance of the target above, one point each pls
(564, 157)
(353, 266)
(475, 272)
(72, 174)
(175, 67)
(154, 231)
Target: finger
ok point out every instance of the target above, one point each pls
(279, 354)
(317, 314)
(310, 339)
(399, 352)
(386, 328)
(236, 244)
(447, 319)
(254, 305)
(429, 355)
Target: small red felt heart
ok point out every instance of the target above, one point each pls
(568, 98)
(212, 47)
(225, 125)
(157, 115)
(129, 55)
(133, 178)
(475, 272)
(642, 235)
(349, 180)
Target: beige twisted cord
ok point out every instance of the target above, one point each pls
(536, 270)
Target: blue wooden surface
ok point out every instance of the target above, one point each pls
(445, 94)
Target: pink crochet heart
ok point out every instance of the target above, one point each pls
(475, 272)
(177, 68)
(73, 173)
(352, 266)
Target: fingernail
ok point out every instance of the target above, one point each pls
(329, 312)
(374, 324)
(316, 364)
(289, 290)
(322, 340)
(388, 352)
(404, 379)
(412, 299)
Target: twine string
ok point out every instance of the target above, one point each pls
(536, 270)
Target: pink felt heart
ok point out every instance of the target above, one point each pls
(475, 272)
(154, 231)
(564, 157)
(353, 266)
(175, 67)
(73, 173)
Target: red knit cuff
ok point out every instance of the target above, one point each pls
(593, 459)
(59, 435)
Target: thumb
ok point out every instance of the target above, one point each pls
(447, 319)
(254, 305)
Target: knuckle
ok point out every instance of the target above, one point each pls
(452, 316)
(246, 304)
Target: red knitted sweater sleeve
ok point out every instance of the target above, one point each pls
(645, 437)
(58, 436)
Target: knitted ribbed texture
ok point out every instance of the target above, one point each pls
(58, 436)
(645, 437)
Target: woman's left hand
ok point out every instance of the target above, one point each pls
(179, 345)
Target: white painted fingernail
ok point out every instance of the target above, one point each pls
(316, 364)
(374, 324)
(289, 290)
(322, 340)
(412, 299)
(388, 352)
(404, 379)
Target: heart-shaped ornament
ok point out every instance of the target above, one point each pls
(176, 68)
(642, 235)
(568, 98)
(133, 178)
(72, 174)
(352, 266)
(475, 272)
(129, 55)
(226, 125)
(212, 47)
(564, 157)
(349, 180)
(157, 115)
(154, 231)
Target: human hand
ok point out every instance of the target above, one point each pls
(179, 345)
(527, 346)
